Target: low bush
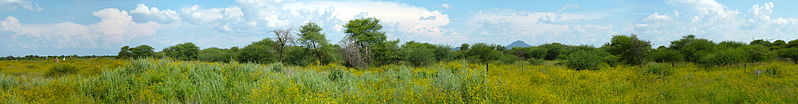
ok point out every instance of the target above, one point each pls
(60, 70)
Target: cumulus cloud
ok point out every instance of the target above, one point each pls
(114, 27)
(11, 5)
(143, 13)
(446, 5)
(710, 19)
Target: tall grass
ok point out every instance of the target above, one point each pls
(166, 81)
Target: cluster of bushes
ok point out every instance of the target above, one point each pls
(366, 45)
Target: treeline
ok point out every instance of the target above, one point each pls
(37, 57)
(366, 45)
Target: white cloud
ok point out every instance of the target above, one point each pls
(142, 14)
(11, 5)
(114, 27)
(712, 20)
(446, 5)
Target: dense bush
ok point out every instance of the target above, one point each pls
(631, 49)
(529, 52)
(62, 69)
(581, 60)
(258, 52)
(217, 55)
(184, 51)
(724, 57)
(418, 54)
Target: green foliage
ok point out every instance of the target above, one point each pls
(535, 61)
(761, 42)
(529, 52)
(791, 53)
(758, 53)
(184, 51)
(365, 31)
(793, 44)
(484, 53)
(666, 55)
(316, 46)
(124, 52)
(581, 60)
(693, 48)
(631, 50)
(778, 44)
(141, 51)
(418, 54)
(62, 69)
(554, 50)
(658, 69)
(258, 52)
(724, 57)
(217, 55)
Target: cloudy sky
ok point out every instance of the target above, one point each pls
(100, 27)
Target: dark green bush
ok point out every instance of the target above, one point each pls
(60, 70)
(724, 57)
(581, 60)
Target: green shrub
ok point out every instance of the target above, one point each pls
(658, 69)
(7, 82)
(535, 61)
(724, 57)
(59, 70)
(581, 60)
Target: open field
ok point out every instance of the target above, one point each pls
(166, 81)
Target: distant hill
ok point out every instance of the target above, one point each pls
(517, 43)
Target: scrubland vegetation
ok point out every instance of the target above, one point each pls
(167, 81)
(365, 67)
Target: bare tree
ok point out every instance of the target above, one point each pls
(283, 39)
(356, 55)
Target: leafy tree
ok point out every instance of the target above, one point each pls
(631, 50)
(791, 53)
(464, 46)
(527, 53)
(778, 44)
(793, 44)
(663, 54)
(730, 44)
(418, 54)
(258, 52)
(760, 42)
(693, 48)
(124, 52)
(142, 51)
(316, 44)
(443, 53)
(581, 60)
(758, 53)
(485, 53)
(217, 55)
(724, 57)
(364, 35)
(554, 50)
(184, 51)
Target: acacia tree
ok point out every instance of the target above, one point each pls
(314, 41)
(364, 35)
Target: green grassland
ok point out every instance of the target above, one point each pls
(167, 81)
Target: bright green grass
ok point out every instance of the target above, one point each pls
(165, 81)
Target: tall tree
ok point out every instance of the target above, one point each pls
(142, 51)
(364, 35)
(314, 41)
(184, 51)
(631, 49)
(124, 52)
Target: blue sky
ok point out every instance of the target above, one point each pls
(100, 27)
